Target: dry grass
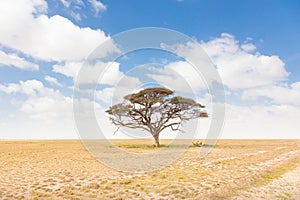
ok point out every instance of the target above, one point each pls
(65, 170)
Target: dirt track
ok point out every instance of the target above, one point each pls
(244, 169)
(285, 187)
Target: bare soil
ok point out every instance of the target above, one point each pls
(234, 169)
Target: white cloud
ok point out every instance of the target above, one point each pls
(253, 75)
(286, 95)
(193, 52)
(239, 68)
(66, 3)
(10, 89)
(16, 61)
(25, 27)
(116, 94)
(180, 76)
(52, 81)
(69, 69)
(30, 87)
(48, 108)
(97, 5)
(42, 103)
(112, 76)
(248, 47)
(48, 113)
(32, 32)
(105, 95)
(85, 110)
(75, 15)
(73, 7)
(89, 73)
(296, 86)
(260, 121)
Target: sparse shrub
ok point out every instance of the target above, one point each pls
(94, 186)
(126, 181)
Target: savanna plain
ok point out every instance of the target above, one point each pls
(234, 169)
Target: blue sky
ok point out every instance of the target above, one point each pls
(254, 44)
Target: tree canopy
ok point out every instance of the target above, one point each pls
(154, 110)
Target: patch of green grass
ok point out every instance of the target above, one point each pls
(93, 186)
(282, 197)
(278, 172)
(126, 181)
(163, 175)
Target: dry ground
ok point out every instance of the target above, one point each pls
(235, 169)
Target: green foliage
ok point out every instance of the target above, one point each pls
(149, 96)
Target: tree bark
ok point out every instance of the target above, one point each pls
(156, 139)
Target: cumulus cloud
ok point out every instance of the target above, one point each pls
(117, 84)
(69, 69)
(178, 75)
(122, 84)
(262, 121)
(41, 103)
(113, 95)
(52, 110)
(54, 38)
(253, 75)
(105, 95)
(240, 67)
(279, 94)
(248, 47)
(108, 73)
(16, 61)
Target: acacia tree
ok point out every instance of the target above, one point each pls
(154, 110)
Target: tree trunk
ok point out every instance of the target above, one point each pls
(156, 139)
